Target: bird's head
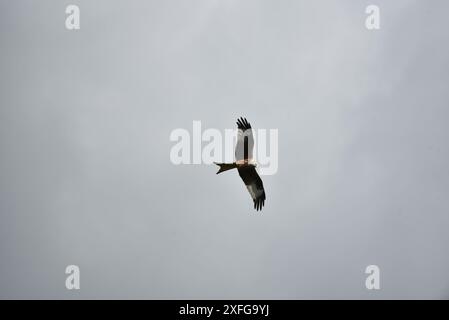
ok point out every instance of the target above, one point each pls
(248, 162)
(253, 162)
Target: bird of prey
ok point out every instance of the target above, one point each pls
(245, 164)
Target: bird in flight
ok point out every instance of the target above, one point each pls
(245, 164)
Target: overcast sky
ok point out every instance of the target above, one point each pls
(85, 170)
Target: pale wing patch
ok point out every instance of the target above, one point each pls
(240, 146)
(244, 133)
(253, 191)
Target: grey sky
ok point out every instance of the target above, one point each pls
(86, 178)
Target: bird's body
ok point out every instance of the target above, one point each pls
(245, 164)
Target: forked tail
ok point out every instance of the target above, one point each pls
(225, 166)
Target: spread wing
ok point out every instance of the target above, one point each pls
(254, 185)
(245, 140)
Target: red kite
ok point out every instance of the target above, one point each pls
(245, 164)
